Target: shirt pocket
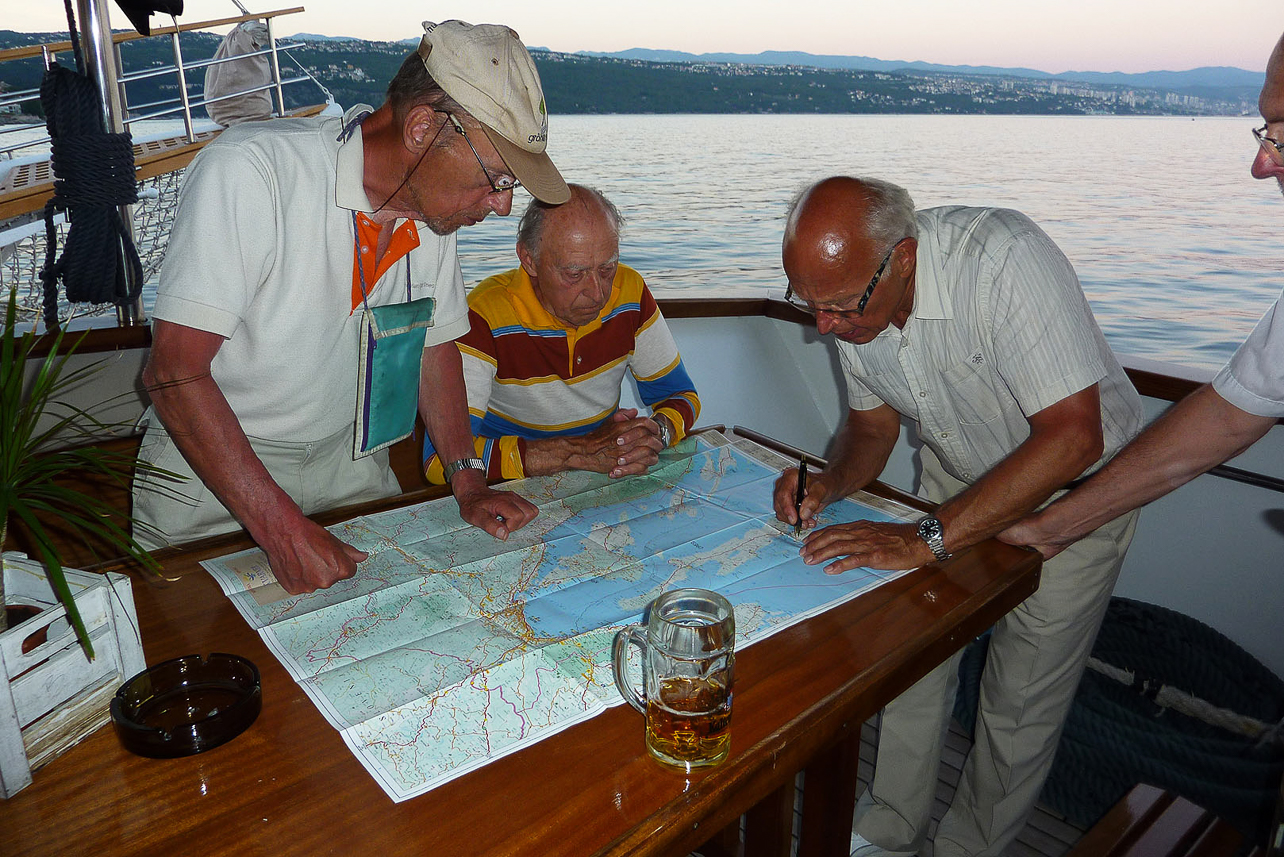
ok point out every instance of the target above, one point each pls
(972, 390)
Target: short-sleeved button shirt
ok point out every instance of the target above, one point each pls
(261, 253)
(1253, 379)
(1000, 330)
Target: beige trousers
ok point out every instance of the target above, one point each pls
(1037, 654)
(318, 475)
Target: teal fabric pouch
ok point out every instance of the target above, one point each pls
(392, 349)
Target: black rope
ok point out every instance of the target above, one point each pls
(94, 176)
(1116, 736)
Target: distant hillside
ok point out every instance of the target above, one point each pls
(1234, 80)
(776, 82)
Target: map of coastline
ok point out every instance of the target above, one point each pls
(450, 648)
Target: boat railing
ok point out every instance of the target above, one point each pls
(182, 105)
(27, 182)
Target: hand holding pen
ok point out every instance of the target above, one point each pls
(799, 494)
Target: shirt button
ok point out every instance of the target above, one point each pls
(944, 435)
(579, 359)
(922, 394)
(904, 342)
(365, 249)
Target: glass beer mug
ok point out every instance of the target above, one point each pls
(687, 666)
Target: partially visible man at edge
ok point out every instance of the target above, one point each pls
(284, 230)
(548, 347)
(1214, 423)
(971, 323)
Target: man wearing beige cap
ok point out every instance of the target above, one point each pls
(297, 267)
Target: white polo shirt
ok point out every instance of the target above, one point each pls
(261, 253)
(1253, 379)
(1000, 330)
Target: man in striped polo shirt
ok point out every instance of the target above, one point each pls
(548, 346)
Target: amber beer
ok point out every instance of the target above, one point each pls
(688, 721)
(688, 665)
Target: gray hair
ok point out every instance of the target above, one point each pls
(412, 86)
(530, 231)
(889, 210)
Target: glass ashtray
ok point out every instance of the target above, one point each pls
(187, 705)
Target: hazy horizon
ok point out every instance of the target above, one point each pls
(1134, 36)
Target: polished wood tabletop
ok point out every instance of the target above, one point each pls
(289, 785)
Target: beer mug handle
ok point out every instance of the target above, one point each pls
(619, 660)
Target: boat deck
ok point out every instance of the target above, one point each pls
(1046, 834)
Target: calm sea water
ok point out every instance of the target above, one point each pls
(1174, 242)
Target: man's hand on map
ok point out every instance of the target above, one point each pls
(867, 544)
(497, 512)
(817, 497)
(307, 557)
(624, 445)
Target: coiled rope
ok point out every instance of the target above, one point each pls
(94, 176)
(1168, 701)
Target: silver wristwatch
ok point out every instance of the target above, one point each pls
(931, 531)
(462, 464)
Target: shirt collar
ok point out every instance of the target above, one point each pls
(349, 171)
(931, 299)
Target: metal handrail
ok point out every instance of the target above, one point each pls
(201, 102)
(198, 64)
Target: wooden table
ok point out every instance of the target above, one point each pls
(289, 785)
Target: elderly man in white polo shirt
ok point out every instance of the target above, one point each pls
(970, 323)
(290, 237)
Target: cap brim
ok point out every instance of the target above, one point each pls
(534, 170)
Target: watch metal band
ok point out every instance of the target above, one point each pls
(666, 432)
(462, 464)
(931, 532)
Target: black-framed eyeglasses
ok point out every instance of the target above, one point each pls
(498, 184)
(1273, 148)
(845, 314)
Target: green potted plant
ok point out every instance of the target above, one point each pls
(38, 432)
(49, 472)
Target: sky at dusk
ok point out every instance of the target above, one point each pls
(1087, 35)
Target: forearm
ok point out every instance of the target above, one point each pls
(1198, 433)
(860, 451)
(443, 404)
(1015, 486)
(549, 455)
(206, 431)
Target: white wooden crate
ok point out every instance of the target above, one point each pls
(53, 696)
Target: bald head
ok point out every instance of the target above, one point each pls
(1275, 65)
(839, 222)
(1271, 100)
(585, 203)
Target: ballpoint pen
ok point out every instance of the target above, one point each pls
(799, 495)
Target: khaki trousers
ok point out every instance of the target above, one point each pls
(318, 475)
(1037, 654)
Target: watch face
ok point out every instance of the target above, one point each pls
(929, 528)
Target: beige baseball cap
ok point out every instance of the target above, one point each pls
(486, 68)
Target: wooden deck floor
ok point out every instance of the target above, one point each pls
(1047, 834)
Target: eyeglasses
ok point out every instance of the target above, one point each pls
(1273, 148)
(844, 314)
(498, 184)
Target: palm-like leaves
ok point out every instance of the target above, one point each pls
(30, 467)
